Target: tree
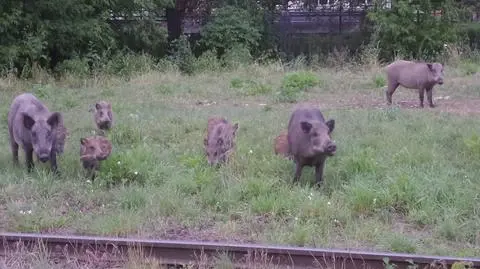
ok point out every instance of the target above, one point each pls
(410, 28)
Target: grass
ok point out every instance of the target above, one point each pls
(403, 179)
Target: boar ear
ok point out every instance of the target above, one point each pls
(234, 129)
(331, 125)
(205, 142)
(28, 122)
(430, 67)
(220, 141)
(54, 119)
(83, 141)
(306, 126)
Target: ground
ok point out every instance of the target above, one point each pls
(404, 179)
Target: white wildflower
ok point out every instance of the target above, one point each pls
(136, 173)
(88, 181)
(296, 218)
(251, 151)
(329, 203)
(29, 212)
(22, 212)
(118, 162)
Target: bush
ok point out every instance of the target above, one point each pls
(207, 62)
(411, 30)
(294, 84)
(231, 26)
(124, 167)
(182, 55)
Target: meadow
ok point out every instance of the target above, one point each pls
(403, 179)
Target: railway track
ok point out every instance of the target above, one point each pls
(181, 253)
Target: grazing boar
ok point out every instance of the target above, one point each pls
(309, 140)
(94, 149)
(280, 145)
(220, 141)
(103, 115)
(36, 129)
(414, 75)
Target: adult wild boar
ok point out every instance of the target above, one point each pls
(414, 75)
(103, 115)
(36, 129)
(220, 141)
(309, 140)
(94, 149)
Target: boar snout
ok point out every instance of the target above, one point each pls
(330, 148)
(43, 156)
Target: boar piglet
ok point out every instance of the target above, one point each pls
(309, 140)
(103, 115)
(414, 75)
(280, 145)
(220, 141)
(34, 127)
(94, 149)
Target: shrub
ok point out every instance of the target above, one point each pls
(124, 167)
(294, 84)
(182, 55)
(229, 27)
(411, 30)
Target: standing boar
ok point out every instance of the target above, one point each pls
(220, 141)
(414, 75)
(34, 127)
(103, 115)
(280, 145)
(94, 149)
(309, 140)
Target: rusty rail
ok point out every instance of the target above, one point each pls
(188, 252)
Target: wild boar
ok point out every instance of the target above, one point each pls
(280, 145)
(414, 75)
(94, 149)
(34, 127)
(103, 115)
(309, 140)
(220, 141)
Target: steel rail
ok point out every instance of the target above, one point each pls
(187, 252)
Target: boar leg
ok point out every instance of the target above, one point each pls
(421, 94)
(298, 171)
(392, 86)
(319, 171)
(430, 97)
(53, 161)
(14, 146)
(29, 157)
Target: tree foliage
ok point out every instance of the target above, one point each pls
(411, 30)
(229, 27)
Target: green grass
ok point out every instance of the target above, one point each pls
(403, 179)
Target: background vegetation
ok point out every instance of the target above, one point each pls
(87, 37)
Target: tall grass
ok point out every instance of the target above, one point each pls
(402, 180)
